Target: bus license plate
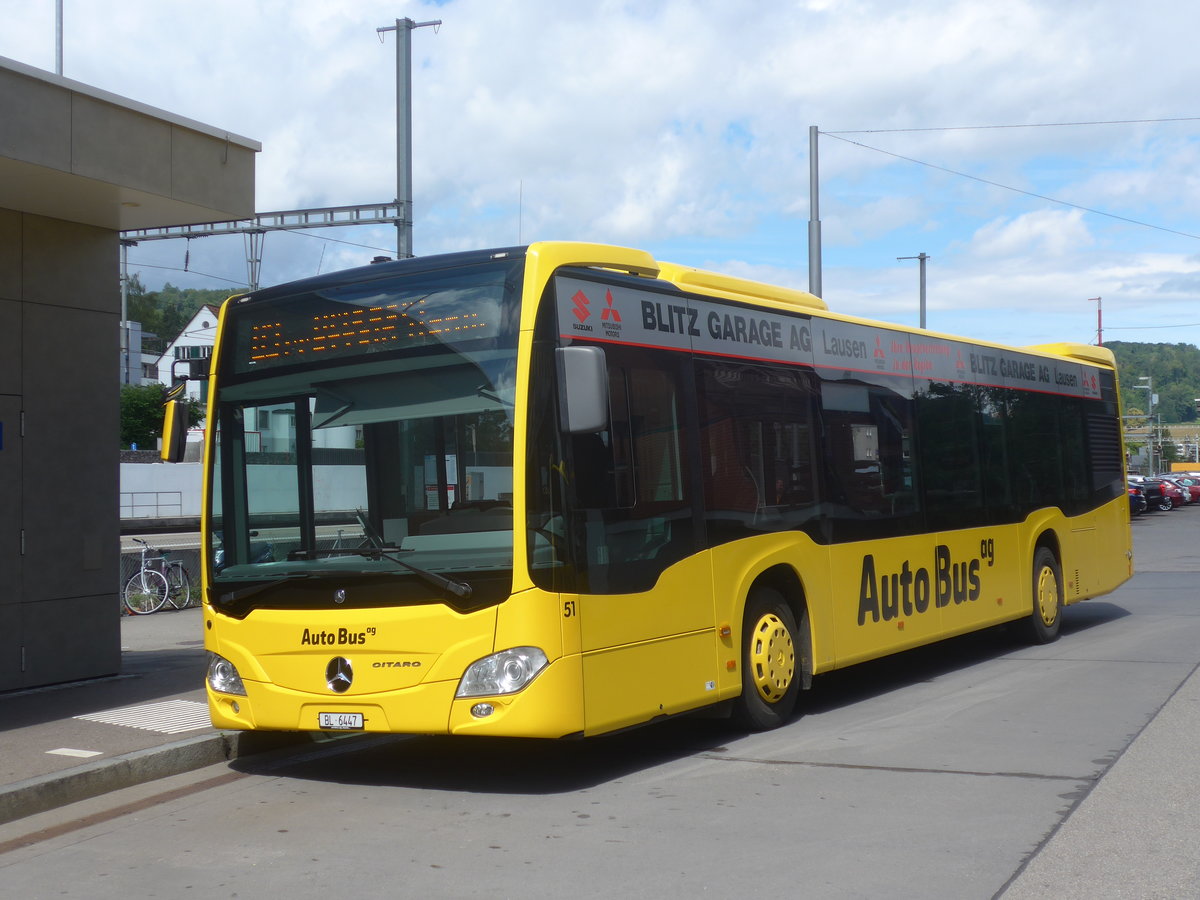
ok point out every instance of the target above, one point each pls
(340, 721)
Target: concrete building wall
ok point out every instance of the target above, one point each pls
(77, 166)
(62, 435)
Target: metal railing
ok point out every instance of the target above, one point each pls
(151, 504)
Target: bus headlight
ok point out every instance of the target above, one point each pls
(223, 676)
(505, 672)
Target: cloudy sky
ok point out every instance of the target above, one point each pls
(682, 127)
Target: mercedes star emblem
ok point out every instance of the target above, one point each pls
(339, 674)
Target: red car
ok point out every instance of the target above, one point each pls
(1189, 484)
(1175, 492)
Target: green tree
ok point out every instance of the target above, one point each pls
(142, 414)
(1172, 369)
(142, 305)
(178, 305)
(167, 312)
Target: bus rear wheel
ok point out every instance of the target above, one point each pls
(1046, 618)
(770, 662)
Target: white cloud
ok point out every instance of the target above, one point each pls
(684, 124)
(1036, 235)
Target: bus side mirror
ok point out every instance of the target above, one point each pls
(583, 389)
(175, 426)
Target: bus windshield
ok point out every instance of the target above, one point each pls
(365, 434)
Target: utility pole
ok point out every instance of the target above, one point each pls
(125, 315)
(404, 29)
(922, 257)
(1099, 321)
(814, 215)
(58, 37)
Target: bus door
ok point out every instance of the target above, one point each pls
(881, 557)
(645, 595)
(979, 576)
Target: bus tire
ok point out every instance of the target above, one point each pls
(771, 662)
(1044, 622)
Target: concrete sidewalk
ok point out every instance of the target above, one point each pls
(1137, 832)
(70, 742)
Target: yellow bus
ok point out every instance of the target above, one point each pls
(564, 489)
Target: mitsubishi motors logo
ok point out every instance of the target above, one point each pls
(582, 313)
(609, 311)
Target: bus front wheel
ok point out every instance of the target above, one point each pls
(770, 662)
(1044, 622)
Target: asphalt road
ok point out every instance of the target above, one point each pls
(944, 772)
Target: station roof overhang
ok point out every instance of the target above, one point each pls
(73, 152)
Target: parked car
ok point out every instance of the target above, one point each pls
(1185, 495)
(1190, 483)
(1137, 501)
(1159, 494)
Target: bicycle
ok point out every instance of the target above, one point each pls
(157, 582)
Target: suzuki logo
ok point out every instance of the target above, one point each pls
(339, 674)
(581, 302)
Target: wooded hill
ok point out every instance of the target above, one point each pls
(1174, 373)
(166, 313)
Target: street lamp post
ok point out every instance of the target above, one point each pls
(922, 257)
(1148, 387)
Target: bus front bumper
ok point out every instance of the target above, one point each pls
(551, 706)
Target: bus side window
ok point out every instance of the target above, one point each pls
(757, 449)
(950, 419)
(630, 483)
(867, 433)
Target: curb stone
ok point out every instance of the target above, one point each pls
(46, 792)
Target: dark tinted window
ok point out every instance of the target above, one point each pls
(757, 449)
(867, 445)
(631, 484)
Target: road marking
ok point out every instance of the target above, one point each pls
(81, 754)
(168, 717)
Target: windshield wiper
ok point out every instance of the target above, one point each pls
(238, 596)
(459, 589)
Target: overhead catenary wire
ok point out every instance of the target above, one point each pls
(1167, 120)
(1006, 187)
(1018, 125)
(242, 283)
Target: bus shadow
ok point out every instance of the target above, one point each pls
(882, 676)
(536, 767)
(500, 765)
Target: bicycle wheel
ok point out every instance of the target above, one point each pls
(145, 592)
(180, 586)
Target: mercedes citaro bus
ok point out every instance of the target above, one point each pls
(563, 489)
